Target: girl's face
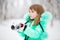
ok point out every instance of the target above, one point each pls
(33, 14)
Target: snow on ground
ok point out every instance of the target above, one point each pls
(7, 34)
(54, 31)
(5, 30)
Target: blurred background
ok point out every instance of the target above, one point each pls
(12, 11)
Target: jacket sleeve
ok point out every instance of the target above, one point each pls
(26, 17)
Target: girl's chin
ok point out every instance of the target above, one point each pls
(31, 18)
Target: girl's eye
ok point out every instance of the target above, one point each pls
(31, 11)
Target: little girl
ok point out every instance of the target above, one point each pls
(36, 21)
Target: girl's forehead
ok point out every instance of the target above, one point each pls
(31, 10)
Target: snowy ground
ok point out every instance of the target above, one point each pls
(54, 31)
(7, 34)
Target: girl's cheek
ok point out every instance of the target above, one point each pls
(31, 14)
(32, 17)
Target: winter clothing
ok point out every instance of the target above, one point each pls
(34, 32)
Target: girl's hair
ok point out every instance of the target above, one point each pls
(39, 9)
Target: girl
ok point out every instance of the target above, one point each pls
(36, 21)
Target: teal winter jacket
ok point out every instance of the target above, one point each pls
(35, 32)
